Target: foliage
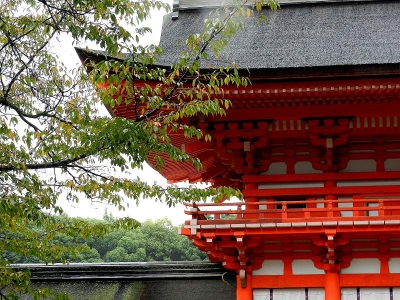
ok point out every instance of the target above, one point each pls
(54, 143)
(151, 241)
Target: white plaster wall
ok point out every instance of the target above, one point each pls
(394, 266)
(280, 294)
(392, 164)
(276, 168)
(305, 167)
(368, 183)
(305, 266)
(363, 266)
(396, 293)
(289, 294)
(347, 213)
(375, 294)
(368, 165)
(373, 213)
(316, 294)
(320, 204)
(270, 267)
(349, 294)
(262, 206)
(261, 294)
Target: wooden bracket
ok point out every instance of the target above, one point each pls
(242, 276)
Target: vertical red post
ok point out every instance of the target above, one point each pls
(252, 186)
(244, 293)
(332, 286)
(331, 204)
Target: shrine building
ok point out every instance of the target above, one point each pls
(313, 143)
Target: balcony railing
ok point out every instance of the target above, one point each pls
(295, 211)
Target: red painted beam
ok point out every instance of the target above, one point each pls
(347, 190)
(370, 280)
(356, 176)
(288, 281)
(309, 111)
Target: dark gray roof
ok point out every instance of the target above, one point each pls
(330, 34)
(144, 281)
(177, 289)
(123, 271)
(189, 4)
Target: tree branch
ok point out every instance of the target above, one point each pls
(182, 77)
(50, 165)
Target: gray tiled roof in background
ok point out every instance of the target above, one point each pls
(188, 4)
(329, 34)
(144, 281)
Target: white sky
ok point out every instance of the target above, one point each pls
(147, 209)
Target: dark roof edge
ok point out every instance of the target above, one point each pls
(323, 72)
(122, 271)
(294, 73)
(180, 5)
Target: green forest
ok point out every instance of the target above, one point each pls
(151, 241)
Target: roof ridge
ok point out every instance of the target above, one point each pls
(200, 4)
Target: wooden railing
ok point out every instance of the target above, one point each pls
(289, 211)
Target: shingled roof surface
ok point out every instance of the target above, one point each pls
(144, 281)
(306, 35)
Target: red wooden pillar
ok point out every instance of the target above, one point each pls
(332, 286)
(358, 213)
(246, 292)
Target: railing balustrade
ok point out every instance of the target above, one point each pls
(296, 210)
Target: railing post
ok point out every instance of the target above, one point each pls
(381, 209)
(307, 213)
(358, 204)
(244, 287)
(251, 186)
(284, 210)
(330, 184)
(239, 214)
(330, 211)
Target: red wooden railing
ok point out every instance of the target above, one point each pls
(314, 210)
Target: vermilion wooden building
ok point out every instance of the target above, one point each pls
(314, 145)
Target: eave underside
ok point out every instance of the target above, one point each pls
(266, 116)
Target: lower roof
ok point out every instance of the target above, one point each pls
(145, 281)
(123, 271)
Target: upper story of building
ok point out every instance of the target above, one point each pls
(313, 142)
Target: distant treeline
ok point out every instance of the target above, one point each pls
(152, 241)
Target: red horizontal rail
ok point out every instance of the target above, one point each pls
(367, 199)
(321, 177)
(321, 191)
